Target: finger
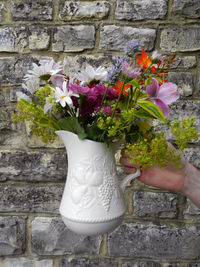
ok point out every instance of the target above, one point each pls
(130, 170)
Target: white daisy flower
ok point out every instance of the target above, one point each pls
(90, 74)
(43, 71)
(64, 95)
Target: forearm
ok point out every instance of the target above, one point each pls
(191, 186)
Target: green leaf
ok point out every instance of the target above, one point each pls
(139, 94)
(94, 132)
(71, 124)
(143, 114)
(43, 122)
(152, 109)
(134, 83)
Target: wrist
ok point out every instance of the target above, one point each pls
(191, 183)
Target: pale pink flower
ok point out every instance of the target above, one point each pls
(162, 95)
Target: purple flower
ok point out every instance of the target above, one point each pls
(132, 48)
(130, 70)
(162, 95)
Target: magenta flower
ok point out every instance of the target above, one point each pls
(130, 70)
(78, 89)
(162, 95)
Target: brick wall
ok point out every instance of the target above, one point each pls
(161, 228)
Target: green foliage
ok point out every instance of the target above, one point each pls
(146, 153)
(71, 124)
(184, 132)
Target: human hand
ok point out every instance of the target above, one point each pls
(169, 178)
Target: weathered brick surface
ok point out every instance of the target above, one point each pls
(85, 262)
(12, 69)
(25, 262)
(114, 37)
(30, 198)
(187, 8)
(154, 204)
(13, 39)
(184, 80)
(193, 155)
(141, 9)
(184, 62)
(31, 10)
(73, 64)
(141, 264)
(191, 210)
(2, 98)
(70, 10)
(182, 39)
(3, 11)
(152, 241)
(73, 38)
(12, 235)
(51, 237)
(39, 38)
(33, 166)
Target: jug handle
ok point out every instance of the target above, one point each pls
(129, 178)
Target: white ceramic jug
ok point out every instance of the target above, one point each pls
(92, 201)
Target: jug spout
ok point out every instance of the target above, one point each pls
(128, 179)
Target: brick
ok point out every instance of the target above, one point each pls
(2, 98)
(39, 38)
(51, 237)
(180, 39)
(30, 198)
(33, 166)
(114, 37)
(12, 69)
(9, 131)
(73, 38)
(152, 241)
(13, 39)
(25, 262)
(70, 10)
(187, 8)
(12, 235)
(141, 264)
(39, 10)
(85, 262)
(184, 62)
(191, 210)
(184, 80)
(154, 204)
(73, 64)
(141, 9)
(2, 11)
(193, 155)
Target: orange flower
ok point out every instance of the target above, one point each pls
(144, 60)
(118, 88)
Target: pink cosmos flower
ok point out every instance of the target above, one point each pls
(130, 70)
(162, 95)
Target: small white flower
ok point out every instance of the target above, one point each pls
(64, 95)
(48, 106)
(156, 55)
(89, 74)
(31, 85)
(21, 95)
(48, 68)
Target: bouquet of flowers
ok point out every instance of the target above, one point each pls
(108, 106)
